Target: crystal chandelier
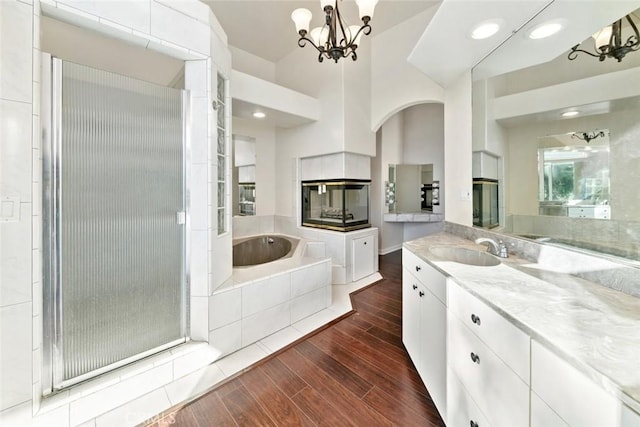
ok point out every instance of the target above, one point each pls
(609, 42)
(335, 39)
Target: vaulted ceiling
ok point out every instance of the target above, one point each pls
(264, 27)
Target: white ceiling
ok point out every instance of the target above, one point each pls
(264, 27)
(454, 20)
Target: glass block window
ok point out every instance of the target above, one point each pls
(222, 153)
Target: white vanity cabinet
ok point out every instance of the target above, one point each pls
(424, 317)
(363, 252)
(572, 396)
(489, 356)
(597, 211)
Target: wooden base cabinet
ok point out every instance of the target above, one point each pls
(424, 334)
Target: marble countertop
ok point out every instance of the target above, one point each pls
(413, 217)
(595, 328)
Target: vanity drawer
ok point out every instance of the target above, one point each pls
(499, 393)
(461, 409)
(431, 278)
(500, 335)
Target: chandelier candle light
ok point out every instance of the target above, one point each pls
(609, 42)
(335, 39)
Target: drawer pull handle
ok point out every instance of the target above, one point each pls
(473, 424)
(475, 358)
(421, 294)
(415, 287)
(418, 268)
(475, 319)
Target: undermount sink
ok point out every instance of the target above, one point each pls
(465, 256)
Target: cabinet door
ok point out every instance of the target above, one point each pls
(630, 418)
(432, 366)
(462, 411)
(363, 257)
(411, 315)
(542, 415)
(571, 394)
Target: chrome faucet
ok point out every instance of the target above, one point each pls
(497, 249)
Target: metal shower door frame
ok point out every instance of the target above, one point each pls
(51, 121)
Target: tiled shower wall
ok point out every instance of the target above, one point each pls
(186, 30)
(20, 187)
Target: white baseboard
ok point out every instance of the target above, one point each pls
(384, 251)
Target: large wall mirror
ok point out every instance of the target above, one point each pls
(567, 136)
(244, 176)
(413, 188)
(573, 175)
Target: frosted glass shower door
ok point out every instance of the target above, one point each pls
(116, 209)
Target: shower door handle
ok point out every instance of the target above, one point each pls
(181, 217)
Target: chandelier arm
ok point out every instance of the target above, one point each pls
(302, 42)
(636, 34)
(365, 29)
(354, 56)
(339, 21)
(574, 53)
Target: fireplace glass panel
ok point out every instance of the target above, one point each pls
(341, 205)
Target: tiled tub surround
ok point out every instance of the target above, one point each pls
(260, 300)
(594, 328)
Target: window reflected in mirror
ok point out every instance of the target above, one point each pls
(573, 172)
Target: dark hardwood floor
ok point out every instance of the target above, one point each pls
(354, 372)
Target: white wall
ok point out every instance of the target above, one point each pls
(358, 137)
(81, 45)
(389, 149)
(423, 141)
(396, 84)
(457, 152)
(249, 63)
(20, 236)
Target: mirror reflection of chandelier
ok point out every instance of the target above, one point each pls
(335, 39)
(588, 136)
(609, 41)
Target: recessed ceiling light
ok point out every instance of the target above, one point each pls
(570, 113)
(485, 29)
(546, 29)
(259, 115)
